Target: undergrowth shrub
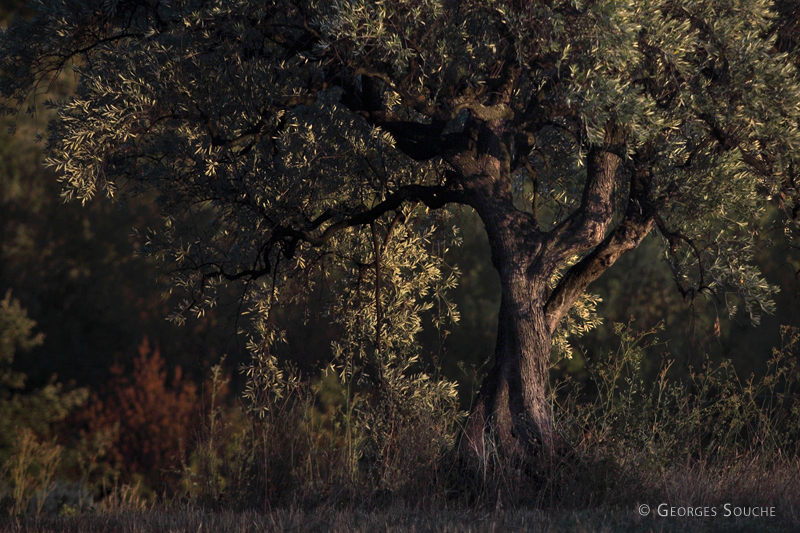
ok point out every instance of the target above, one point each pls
(29, 455)
(31, 468)
(217, 467)
(372, 430)
(314, 445)
(712, 433)
(711, 417)
(148, 420)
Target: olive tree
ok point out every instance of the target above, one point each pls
(286, 138)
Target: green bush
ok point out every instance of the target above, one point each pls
(29, 456)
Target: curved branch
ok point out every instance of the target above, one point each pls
(671, 237)
(624, 238)
(639, 220)
(586, 226)
(434, 197)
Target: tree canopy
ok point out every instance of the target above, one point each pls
(294, 142)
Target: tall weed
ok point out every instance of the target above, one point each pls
(345, 441)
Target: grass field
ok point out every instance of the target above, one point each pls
(394, 519)
(747, 497)
(714, 453)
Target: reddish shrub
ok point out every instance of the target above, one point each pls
(155, 421)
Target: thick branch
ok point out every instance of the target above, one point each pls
(434, 197)
(640, 217)
(587, 225)
(625, 237)
(419, 139)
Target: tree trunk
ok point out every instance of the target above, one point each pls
(512, 414)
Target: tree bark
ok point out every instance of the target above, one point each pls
(512, 414)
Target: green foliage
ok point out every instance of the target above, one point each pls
(29, 456)
(713, 417)
(581, 318)
(243, 139)
(15, 334)
(376, 421)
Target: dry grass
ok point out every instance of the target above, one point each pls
(394, 519)
(715, 446)
(714, 492)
